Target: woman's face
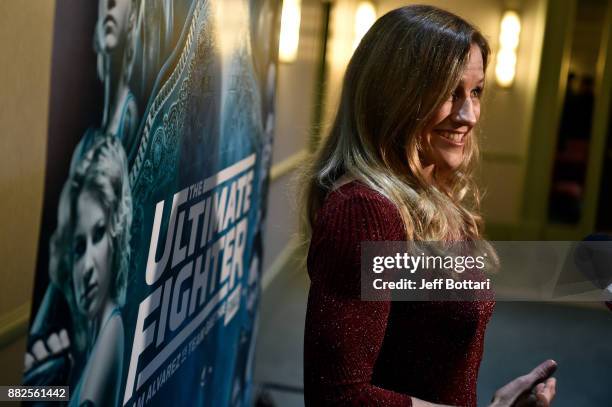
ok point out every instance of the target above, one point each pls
(92, 256)
(447, 133)
(113, 18)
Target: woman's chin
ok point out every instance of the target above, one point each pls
(450, 165)
(110, 42)
(91, 310)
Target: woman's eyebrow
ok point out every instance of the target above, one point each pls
(478, 82)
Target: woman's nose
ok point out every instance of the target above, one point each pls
(466, 114)
(88, 264)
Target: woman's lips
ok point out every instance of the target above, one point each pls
(90, 292)
(452, 137)
(109, 23)
(108, 20)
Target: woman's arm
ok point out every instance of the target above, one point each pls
(101, 386)
(343, 335)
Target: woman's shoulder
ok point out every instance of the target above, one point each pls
(104, 364)
(112, 332)
(357, 196)
(356, 209)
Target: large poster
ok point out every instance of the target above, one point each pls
(159, 147)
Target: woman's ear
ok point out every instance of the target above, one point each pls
(132, 17)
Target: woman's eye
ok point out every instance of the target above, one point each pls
(476, 93)
(79, 247)
(99, 232)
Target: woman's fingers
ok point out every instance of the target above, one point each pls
(531, 379)
(539, 388)
(547, 393)
(542, 372)
(533, 389)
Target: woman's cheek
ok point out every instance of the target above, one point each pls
(477, 110)
(77, 286)
(442, 113)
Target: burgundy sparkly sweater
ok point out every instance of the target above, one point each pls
(360, 353)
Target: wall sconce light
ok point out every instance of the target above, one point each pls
(505, 65)
(365, 16)
(290, 31)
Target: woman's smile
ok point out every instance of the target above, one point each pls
(452, 137)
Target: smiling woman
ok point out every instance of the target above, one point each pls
(398, 165)
(447, 134)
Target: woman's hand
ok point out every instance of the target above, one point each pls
(535, 389)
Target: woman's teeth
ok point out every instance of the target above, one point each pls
(454, 137)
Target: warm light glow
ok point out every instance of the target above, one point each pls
(290, 31)
(505, 69)
(509, 34)
(364, 18)
(510, 30)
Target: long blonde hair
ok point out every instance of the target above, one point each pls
(99, 166)
(405, 67)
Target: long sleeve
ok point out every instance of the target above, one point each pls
(344, 335)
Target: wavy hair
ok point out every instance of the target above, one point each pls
(405, 67)
(99, 166)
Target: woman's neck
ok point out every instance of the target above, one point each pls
(117, 111)
(428, 173)
(343, 180)
(433, 176)
(95, 324)
(116, 89)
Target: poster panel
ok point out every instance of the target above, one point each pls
(159, 148)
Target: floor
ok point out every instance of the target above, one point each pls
(519, 336)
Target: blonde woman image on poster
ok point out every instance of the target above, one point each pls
(89, 264)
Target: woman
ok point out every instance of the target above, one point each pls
(92, 240)
(397, 166)
(89, 259)
(115, 42)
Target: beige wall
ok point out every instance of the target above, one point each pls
(25, 43)
(340, 49)
(295, 89)
(508, 117)
(295, 99)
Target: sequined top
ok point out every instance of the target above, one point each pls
(380, 353)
